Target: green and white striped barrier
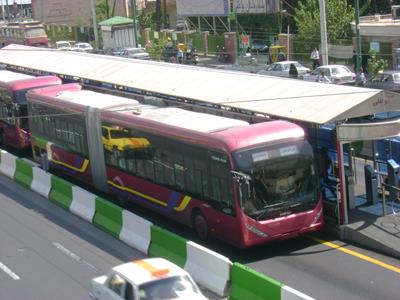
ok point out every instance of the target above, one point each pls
(136, 231)
(83, 203)
(208, 268)
(7, 164)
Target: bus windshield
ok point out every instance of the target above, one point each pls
(280, 180)
(35, 32)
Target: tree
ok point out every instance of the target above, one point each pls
(338, 18)
(376, 64)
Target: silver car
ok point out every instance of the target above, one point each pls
(338, 74)
(282, 68)
(386, 80)
(138, 53)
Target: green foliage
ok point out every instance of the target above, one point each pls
(375, 63)
(146, 20)
(338, 18)
(157, 49)
(102, 10)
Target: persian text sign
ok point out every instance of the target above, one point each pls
(256, 6)
(189, 8)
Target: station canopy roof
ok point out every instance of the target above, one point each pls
(299, 100)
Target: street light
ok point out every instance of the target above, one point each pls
(133, 7)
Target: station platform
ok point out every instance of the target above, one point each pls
(368, 227)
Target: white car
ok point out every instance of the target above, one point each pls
(338, 74)
(138, 53)
(282, 68)
(63, 45)
(82, 47)
(146, 279)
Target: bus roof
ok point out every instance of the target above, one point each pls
(8, 76)
(71, 97)
(93, 99)
(230, 138)
(23, 84)
(196, 121)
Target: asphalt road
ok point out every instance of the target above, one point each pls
(48, 253)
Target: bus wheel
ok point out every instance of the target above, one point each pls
(200, 225)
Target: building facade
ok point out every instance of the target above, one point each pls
(71, 12)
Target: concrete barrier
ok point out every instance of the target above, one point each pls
(288, 293)
(167, 245)
(136, 231)
(249, 284)
(208, 268)
(41, 182)
(83, 203)
(61, 192)
(23, 173)
(7, 163)
(108, 217)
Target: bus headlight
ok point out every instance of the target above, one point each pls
(317, 217)
(256, 231)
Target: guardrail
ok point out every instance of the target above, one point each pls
(210, 269)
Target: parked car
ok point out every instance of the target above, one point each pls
(138, 53)
(63, 45)
(114, 51)
(337, 74)
(82, 47)
(150, 278)
(282, 68)
(259, 47)
(385, 80)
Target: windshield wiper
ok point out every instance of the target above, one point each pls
(268, 209)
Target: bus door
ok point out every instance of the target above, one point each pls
(221, 198)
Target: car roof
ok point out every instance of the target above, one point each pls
(389, 72)
(332, 66)
(286, 62)
(133, 48)
(149, 269)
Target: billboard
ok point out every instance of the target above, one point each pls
(193, 8)
(71, 12)
(256, 6)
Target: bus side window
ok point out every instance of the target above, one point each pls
(221, 187)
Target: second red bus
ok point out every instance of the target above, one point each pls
(245, 184)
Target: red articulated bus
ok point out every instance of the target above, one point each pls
(245, 184)
(29, 32)
(14, 125)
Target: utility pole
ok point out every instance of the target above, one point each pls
(96, 34)
(324, 39)
(8, 11)
(133, 7)
(358, 40)
(158, 15)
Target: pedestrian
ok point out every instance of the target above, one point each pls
(179, 55)
(148, 45)
(322, 77)
(361, 80)
(364, 62)
(293, 71)
(354, 60)
(315, 58)
(281, 55)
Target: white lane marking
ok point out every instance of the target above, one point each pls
(9, 272)
(72, 255)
